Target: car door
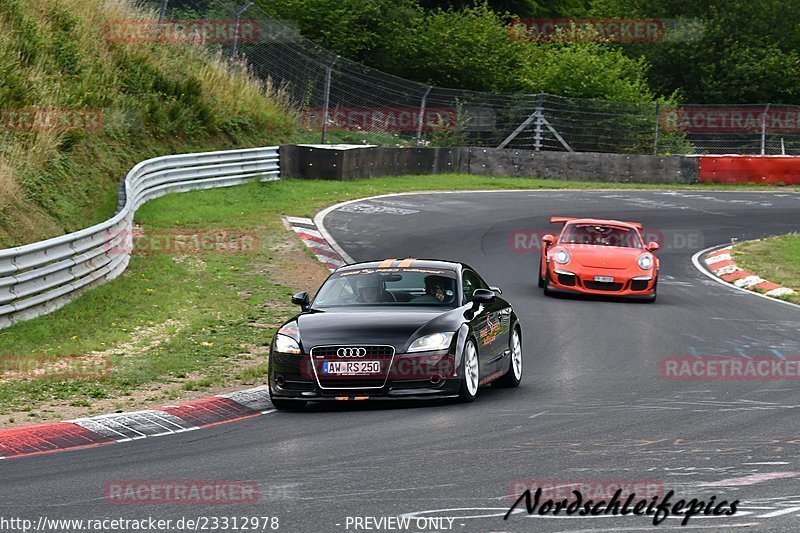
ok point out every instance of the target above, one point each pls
(487, 324)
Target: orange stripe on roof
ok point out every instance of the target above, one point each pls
(405, 263)
(386, 263)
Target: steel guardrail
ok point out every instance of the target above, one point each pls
(40, 277)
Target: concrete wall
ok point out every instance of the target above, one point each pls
(344, 162)
(583, 166)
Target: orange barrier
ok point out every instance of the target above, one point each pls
(750, 169)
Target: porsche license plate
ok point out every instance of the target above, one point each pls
(604, 279)
(351, 367)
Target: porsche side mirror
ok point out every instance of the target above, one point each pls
(301, 299)
(652, 246)
(549, 240)
(496, 290)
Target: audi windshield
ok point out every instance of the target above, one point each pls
(395, 287)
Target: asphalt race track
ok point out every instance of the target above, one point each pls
(593, 404)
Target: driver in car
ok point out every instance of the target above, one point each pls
(437, 290)
(371, 289)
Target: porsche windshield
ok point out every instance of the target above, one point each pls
(600, 235)
(393, 287)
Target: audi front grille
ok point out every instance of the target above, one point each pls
(338, 353)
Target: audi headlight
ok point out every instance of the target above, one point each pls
(561, 257)
(645, 261)
(285, 344)
(429, 343)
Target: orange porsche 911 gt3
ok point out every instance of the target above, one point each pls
(599, 257)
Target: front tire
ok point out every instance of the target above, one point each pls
(513, 376)
(471, 377)
(289, 405)
(282, 404)
(652, 297)
(547, 292)
(541, 279)
(655, 293)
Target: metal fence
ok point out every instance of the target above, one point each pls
(343, 101)
(38, 278)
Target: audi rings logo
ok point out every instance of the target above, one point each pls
(351, 352)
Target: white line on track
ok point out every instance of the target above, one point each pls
(779, 512)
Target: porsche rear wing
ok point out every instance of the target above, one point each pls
(564, 220)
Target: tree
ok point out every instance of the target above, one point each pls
(369, 32)
(466, 49)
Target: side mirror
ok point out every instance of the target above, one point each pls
(301, 299)
(496, 290)
(652, 246)
(482, 296)
(549, 240)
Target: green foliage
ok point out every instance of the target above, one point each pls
(742, 52)
(468, 49)
(371, 32)
(519, 8)
(730, 51)
(468, 46)
(586, 70)
(153, 99)
(446, 134)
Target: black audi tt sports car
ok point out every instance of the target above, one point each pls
(396, 329)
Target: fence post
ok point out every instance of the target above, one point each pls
(327, 104)
(163, 12)
(655, 139)
(764, 130)
(537, 129)
(422, 113)
(236, 28)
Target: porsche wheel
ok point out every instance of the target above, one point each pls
(471, 378)
(513, 376)
(655, 293)
(547, 291)
(541, 279)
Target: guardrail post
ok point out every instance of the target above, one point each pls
(422, 113)
(163, 11)
(328, 72)
(236, 28)
(655, 138)
(537, 129)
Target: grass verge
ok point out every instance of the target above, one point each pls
(776, 259)
(174, 326)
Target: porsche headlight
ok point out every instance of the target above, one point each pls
(429, 343)
(561, 257)
(645, 261)
(286, 344)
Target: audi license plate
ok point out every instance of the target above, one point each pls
(351, 367)
(604, 279)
